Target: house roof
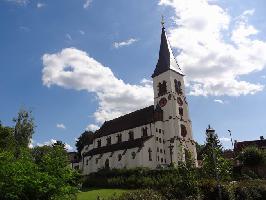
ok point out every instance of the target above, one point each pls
(139, 142)
(166, 59)
(128, 121)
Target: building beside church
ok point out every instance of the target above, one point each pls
(152, 137)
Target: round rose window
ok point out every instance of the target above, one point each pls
(162, 102)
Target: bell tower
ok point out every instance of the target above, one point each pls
(169, 95)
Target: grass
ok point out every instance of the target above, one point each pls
(103, 193)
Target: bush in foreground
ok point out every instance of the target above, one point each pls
(139, 195)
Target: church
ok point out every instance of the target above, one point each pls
(153, 137)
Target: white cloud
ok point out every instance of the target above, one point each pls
(92, 127)
(114, 95)
(68, 147)
(68, 36)
(248, 12)
(19, 2)
(31, 144)
(124, 43)
(87, 3)
(48, 143)
(61, 126)
(263, 76)
(213, 63)
(224, 139)
(147, 82)
(24, 28)
(40, 5)
(53, 141)
(82, 32)
(218, 101)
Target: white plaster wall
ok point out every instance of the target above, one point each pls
(172, 118)
(170, 126)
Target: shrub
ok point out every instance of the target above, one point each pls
(252, 156)
(247, 190)
(22, 178)
(139, 195)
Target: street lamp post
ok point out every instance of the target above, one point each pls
(171, 153)
(230, 133)
(171, 146)
(211, 132)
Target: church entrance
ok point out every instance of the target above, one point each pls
(107, 164)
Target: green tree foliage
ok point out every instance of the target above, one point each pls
(214, 165)
(24, 128)
(21, 178)
(252, 156)
(212, 141)
(200, 149)
(86, 138)
(7, 140)
(41, 173)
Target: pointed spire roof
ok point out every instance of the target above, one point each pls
(166, 59)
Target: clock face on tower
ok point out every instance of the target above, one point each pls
(179, 101)
(162, 102)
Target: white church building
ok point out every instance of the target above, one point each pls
(155, 136)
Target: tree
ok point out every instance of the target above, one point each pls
(86, 138)
(212, 141)
(252, 156)
(41, 173)
(22, 178)
(200, 149)
(214, 164)
(7, 141)
(24, 128)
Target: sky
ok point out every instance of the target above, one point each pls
(78, 63)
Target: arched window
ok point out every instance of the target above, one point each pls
(183, 130)
(133, 154)
(108, 141)
(131, 135)
(99, 143)
(144, 132)
(162, 88)
(178, 87)
(106, 164)
(181, 111)
(119, 157)
(119, 138)
(150, 157)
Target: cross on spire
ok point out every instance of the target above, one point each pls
(162, 21)
(166, 59)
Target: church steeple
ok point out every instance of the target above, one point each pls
(166, 59)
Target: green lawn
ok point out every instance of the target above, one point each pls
(94, 193)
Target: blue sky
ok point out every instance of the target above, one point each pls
(76, 63)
